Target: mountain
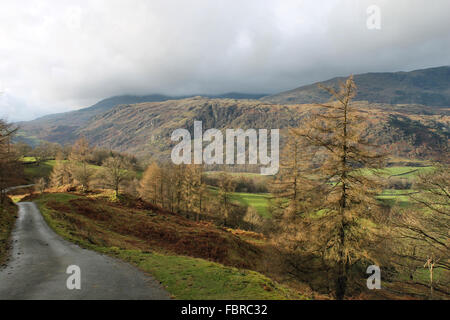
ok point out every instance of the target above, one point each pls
(107, 104)
(143, 125)
(145, 129)
(429, 87)
(62, 127)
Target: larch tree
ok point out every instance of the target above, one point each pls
(338, 226)
(61, 173)
(170, 180)
(202, 193)
(189, 186)
(79, 158)
(151, 184)
(194, 190)
(176, 186)
(289, 190)
(226, 188)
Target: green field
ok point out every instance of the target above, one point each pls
(28, 159)
(397, 197)
(43, 170)
(259, 201)
(236, 174)
(391, 196)
(400, 172)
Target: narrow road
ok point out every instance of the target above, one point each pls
(18, 187)
(40, 258)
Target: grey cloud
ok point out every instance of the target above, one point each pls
(60, 55)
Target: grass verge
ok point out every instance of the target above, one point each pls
(184, 277)
(7, 219)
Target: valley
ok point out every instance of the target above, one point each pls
(104, 181)
(225, 159)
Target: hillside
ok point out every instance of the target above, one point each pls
(427, 87)
(145, 129)
(63, 127)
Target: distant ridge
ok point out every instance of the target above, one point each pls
(61, 127)
(429, 87)
(79, 117)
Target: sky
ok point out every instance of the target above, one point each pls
(57, 56)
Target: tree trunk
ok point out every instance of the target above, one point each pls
(341, 280)
(431, 282)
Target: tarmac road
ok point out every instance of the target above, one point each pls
(40, 258)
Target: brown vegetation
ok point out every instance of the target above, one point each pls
(101, 221)
(7, 218)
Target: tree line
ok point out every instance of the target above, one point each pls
(184, 189)
(181, 189)
(10, 168)
(78, 168)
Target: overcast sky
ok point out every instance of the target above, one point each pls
(60, 55)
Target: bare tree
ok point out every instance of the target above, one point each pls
(40, 185)
(9, 164)
(45, 151)
(116, 171)
(425, 226)
(430, 264)
(23, 149)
